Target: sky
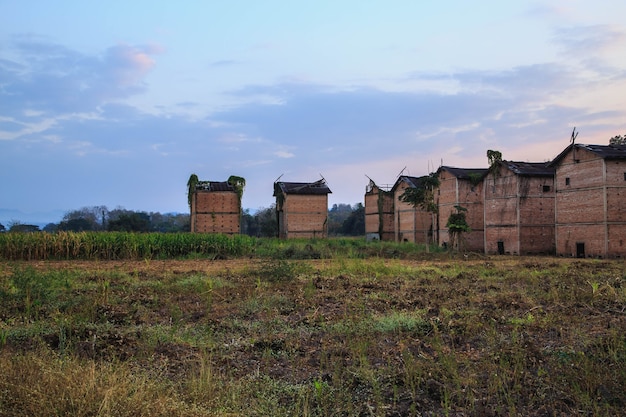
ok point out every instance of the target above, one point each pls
(117, 103)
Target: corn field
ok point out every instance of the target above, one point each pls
(119, 245)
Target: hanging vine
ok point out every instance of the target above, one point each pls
(191, 188)
(475, 178)
(238, 183)
(494, 158)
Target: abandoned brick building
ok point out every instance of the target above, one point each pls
(461, 187)
(302, 209)
(215, 207)
(574, 205)
(412, 224)
(379, 212)
(519, 208)
(590, 185)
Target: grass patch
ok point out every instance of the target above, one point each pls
(324, 336)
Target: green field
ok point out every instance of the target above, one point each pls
(337, 327)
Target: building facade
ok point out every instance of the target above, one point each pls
(215, 208)
(302, 209)
(591, 201)
(379, 213)
(461, 187)
(519, 208)
(412, 224)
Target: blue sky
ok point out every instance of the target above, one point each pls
(118, 103)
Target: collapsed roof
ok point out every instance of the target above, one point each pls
(214, 186)
(305, 188)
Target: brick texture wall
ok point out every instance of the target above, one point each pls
(215, 212)
(304, 216)
(411, 224)
(379, 214)
(590, 206)
(519, 213)
(454, 191)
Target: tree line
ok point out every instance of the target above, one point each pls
(343, 220)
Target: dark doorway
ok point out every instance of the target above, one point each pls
(580, 249)
(500, 247)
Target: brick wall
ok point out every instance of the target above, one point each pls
(215, 212)
(379, 214)
(411, 224)
(590, 209)
(304, 216)
(454, 191)
(519, 213)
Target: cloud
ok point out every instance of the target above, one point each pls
(66, 123)
(126, 65)
(284, 154)
(578, 41)
(43, 77)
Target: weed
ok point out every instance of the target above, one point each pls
(343, 336)
(280, 270)
(523, 321)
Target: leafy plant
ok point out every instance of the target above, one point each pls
(494, 158)
(457, 225)
(422, 196)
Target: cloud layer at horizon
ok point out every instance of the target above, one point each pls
(89, 121)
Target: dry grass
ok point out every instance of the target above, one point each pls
(483, 337)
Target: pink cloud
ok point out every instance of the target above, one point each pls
(128, 64)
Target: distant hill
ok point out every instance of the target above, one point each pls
(39, 218)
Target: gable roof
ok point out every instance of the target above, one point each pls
(413, 182)
(603, 151)
(214, 186)
(464, 173)
(529, 169)
(305, 188)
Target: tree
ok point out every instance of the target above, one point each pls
(457, 225)
(169, 222)
(618, 140)
(79, 224)
(131, 222)
(85, 218)
(337, 215)
(51, 228)
(423, 196)
(23, 228)
(263, 223)
(249, 224)
(2, 228)
(268, 222)
(354, 224)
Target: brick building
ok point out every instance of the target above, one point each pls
(519, 208)
(215, 208)
(412, 224)
(590, 182)
(379, 213)
(461, 187)
(302, 209)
